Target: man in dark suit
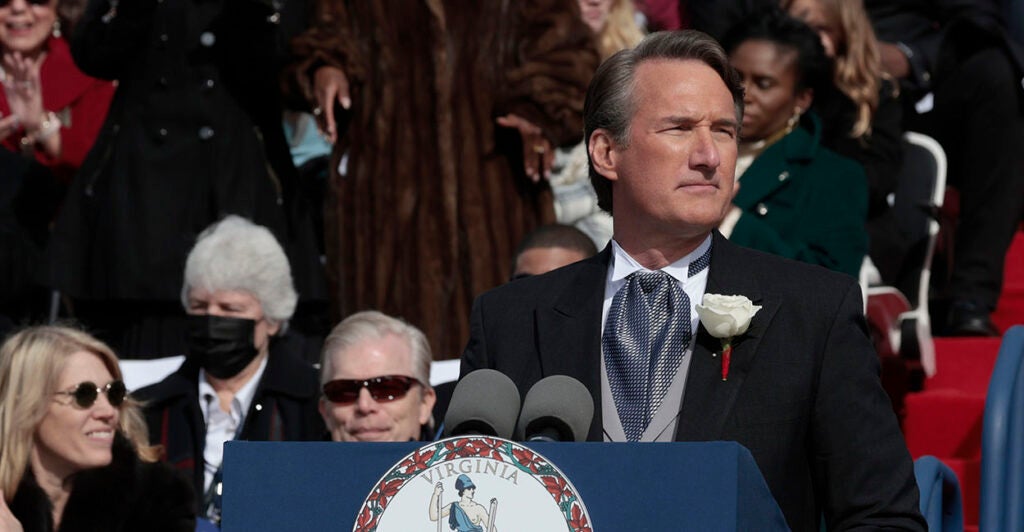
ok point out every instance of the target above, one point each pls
(801, 390)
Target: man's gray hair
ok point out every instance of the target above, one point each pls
(373, 325)
(610, 106)
(236, 254)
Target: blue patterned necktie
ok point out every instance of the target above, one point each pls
(645, 337)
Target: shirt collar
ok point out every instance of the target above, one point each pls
(243, 397)
(623, 264)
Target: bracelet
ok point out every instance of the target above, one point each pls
(49, 126)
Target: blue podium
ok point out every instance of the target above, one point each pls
(314, 486)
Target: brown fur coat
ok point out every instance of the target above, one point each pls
(435, 199)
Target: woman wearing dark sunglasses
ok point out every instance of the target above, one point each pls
(73, 448)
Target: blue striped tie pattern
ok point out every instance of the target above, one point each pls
(645, 337)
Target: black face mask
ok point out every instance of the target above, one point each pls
(222, 346)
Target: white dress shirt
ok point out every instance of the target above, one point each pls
(223, 426)
(663, 425)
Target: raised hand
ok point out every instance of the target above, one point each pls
(330, 85)
(538, 154)
(24, 92)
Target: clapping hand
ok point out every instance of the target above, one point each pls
(24, 93)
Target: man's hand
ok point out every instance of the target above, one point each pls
(330, 85)
(538, 154)
(894, 61)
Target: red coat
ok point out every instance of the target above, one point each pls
(79, 101)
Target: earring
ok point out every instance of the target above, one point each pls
(793, 120)
(56, 29)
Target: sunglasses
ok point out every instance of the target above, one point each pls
(383, 389)
(86, 393)
(5, 3)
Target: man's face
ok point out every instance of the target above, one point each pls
(675, 177)
(368, 419)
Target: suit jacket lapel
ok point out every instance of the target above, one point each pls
(569, 331)
(708, 399)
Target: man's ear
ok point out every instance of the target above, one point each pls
(321, 405)
(429, 397)
(603, 153)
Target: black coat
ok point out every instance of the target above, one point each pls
(802, 394)
(194, 132)
(128, 495)
(284, 408)
(942, 34)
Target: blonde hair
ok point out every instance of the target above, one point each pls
(31, 363)
(620, 29)
(858, 62)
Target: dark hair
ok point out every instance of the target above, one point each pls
(771, 24)
(68, 13)
(610, 106)
(558, 236)
(553, 236)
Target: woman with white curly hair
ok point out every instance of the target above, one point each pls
(235, 383)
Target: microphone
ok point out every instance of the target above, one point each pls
(557, 408)
(485, 402)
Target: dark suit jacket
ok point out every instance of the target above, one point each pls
(284, 408)
(803, 392)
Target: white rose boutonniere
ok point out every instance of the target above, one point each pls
(726, 317)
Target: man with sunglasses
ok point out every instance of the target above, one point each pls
(375, 373)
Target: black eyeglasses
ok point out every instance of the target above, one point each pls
(5, 3)
(383, 389)
(86, 393)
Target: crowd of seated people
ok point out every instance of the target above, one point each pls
(819, 147)
(959, 78)
(861, 118)
(796, 198)
(116, 265)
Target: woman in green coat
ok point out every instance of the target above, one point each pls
(796, 198)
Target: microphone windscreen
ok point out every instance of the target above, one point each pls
(484, 402)
(559, 408)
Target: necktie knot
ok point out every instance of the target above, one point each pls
(649, 281)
